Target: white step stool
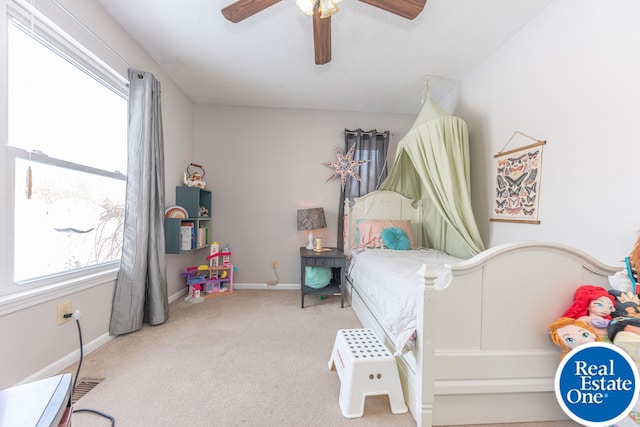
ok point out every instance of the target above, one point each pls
(365, 368)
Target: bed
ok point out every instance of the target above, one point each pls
(482, 353)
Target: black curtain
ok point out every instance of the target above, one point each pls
(369, 145)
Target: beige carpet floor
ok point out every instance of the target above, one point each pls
(251, 358)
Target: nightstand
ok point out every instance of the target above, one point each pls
(333, 258)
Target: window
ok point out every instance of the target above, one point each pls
(67, 148)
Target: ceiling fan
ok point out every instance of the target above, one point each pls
(321, 10)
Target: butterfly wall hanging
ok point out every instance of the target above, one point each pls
(518, 173)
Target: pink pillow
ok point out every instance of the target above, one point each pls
(371, 230)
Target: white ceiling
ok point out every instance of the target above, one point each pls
(379, 61)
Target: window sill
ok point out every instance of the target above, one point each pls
(18, 298)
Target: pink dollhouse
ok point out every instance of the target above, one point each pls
(213, 279)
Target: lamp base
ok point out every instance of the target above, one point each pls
(310, 245)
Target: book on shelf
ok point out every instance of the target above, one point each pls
(187, 236)
(202, 236)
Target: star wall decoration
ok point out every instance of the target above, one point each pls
(345, 166)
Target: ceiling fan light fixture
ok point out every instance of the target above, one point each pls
(306, 6)
(321, 11)
(327, 7)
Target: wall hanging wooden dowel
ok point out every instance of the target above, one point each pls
(518, 172)
(526, 147)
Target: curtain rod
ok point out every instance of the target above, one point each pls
(94, 35)
(353, 132)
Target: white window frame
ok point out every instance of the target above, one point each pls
(15, 297)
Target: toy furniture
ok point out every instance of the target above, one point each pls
(195, 290)
(214, 279)
(365, 368)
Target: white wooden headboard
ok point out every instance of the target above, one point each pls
(382, 204)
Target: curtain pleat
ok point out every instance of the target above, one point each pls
(141, 289)
(369, 145)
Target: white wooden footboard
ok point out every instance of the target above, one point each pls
(483, 353)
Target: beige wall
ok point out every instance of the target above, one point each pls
(264, 164)
(570, 78)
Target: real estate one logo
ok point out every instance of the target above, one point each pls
(596, 384)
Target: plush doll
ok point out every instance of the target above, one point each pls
(624, 332)
(623, 324)
(633, 264)
(568, 333)
(594, 305)
(627, 304)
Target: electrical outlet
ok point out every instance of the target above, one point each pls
(274, 263)
(64, 308)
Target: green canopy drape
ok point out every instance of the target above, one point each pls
(432, 164)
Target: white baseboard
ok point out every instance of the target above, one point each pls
(247, 286)
(73, 357)
(68, 360)
(262, 286)
(177, 295)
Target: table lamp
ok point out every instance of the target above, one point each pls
(311, 219)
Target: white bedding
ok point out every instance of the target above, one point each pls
(392, 281)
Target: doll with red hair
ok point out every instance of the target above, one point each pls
(593, 305)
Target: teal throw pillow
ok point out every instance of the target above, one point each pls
(317, 277)
(395, 238)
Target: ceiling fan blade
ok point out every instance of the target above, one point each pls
(242, 9)
(406, 8)
(321, 38)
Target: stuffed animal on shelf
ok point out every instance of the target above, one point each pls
(593, 305)
(568, 333)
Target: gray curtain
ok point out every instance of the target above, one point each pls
(370, 145)
(141, 290)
